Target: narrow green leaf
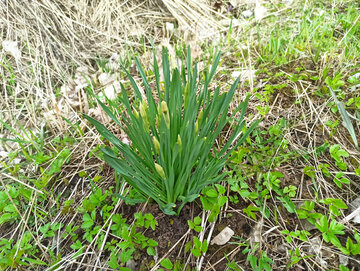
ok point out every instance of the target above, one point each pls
(345, 117)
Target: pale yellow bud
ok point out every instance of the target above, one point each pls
(156, 144)
(143, 109)
(198, 121)
(160, 170)
(179, 143)
(144, 114)
(179, 140)
(164, 108)
(186, 94)
(165, 113)
(200, 115)
(196, 127)
(136, 114)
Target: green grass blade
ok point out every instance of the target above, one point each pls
(345, 117)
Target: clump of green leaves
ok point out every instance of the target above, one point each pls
(213, 200)
(96, 215)
(19, 254)
(257, 258)
(172, 155)
(132, 238)
(337, 154)
(8, 211)
(196, 247)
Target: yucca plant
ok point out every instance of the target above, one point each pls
(172, 153)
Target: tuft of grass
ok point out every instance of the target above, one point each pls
(172, 155)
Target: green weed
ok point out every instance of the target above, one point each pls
(172, 155)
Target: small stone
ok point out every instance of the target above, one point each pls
(306, 225)
(343, 259)
(236, 3)
(223, 237)
(112, 90)
(354, 205)
(125, 141)
(131, 265)
(260, 12)
(11, 47)
(247, 13)
(4, 154)
(169, 27)
(106, 78)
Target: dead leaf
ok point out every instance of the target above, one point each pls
(287, 2)
(255, 235)
(74, 94)
(81, 77)
(244, 75)
(113, 63)
(136, 31)
(196, 50)
(99, 114)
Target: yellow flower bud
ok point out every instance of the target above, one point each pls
(196, 127)
(200, 115)
(165, 112)
(156, 144)
(164, 108)
(144, 114)
(198, 121)
(179, 143)
(160, 170)
(179, 140)
(186, 94)
(136, 114)
(143, 109)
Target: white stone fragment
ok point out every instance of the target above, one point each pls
(247, 13)
(169, 27)
(260, 12)
(11, 47)
(106, 78)
(223, 237)
(355, 204)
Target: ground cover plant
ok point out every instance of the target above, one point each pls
(172, 155)
(283, 197)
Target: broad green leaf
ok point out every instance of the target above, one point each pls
(166, 263)
(212, 193)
